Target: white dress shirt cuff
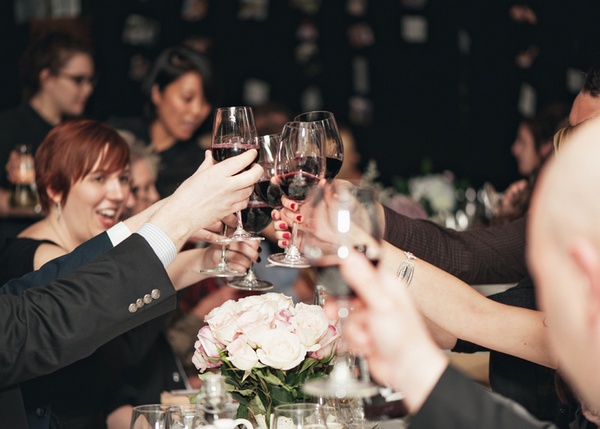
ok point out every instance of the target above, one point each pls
(160, 243)
(118, 233)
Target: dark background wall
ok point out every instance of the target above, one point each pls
(415, 79)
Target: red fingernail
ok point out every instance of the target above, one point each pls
(299, 218)
(287, 235)
(293, 206)
(283, 225)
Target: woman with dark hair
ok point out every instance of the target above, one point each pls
(179, 93)
(57, 73)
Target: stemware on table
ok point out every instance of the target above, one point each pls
(341, 217)
(333, 147)
(299, 166)
(304, 416)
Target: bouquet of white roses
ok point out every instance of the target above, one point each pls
(266, 348)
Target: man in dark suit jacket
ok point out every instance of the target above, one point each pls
(564, 258)
(46, 328)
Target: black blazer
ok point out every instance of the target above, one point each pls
(49, 327)
(457, 402)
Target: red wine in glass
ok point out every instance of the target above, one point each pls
(256, 216)
(296, 186)
(222, 151)
(332, 167)
(269, 193)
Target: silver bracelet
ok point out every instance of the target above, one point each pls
(406, 268)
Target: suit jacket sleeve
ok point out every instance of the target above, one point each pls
(494, 254)
(59, 267)
(50, 327)
(457, 402)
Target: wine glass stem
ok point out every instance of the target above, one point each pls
(240, 224)
(224, 248)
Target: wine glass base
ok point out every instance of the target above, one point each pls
(284, 260)
(220, 271)
(351, 388)
(233, 239)
(245, 284)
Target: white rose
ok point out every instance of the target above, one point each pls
(241, 355)
(251, 323)
(311, 325)
(223, 321)
(281, 349)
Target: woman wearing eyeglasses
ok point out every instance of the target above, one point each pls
(57, 73)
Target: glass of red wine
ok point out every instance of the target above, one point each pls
(234, 132)
(256, 217)
(266, 188)
(334, 148)
(299, 166)
(339, 217)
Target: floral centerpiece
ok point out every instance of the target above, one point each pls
(266, 347)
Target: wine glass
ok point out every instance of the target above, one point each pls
(266, 188)
(304, 416)
(222, 269)
(234, 132)
(340, 217)
(150, 416)
(188, 416)
(299, 165)
(256, 217)
(334, 147)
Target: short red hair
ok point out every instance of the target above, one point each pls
(70, 151)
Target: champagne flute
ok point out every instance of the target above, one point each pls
(299, 165)
(256, 217)
(234, 132)
(341, 217)
(334, 148)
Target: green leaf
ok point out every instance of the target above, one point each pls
(270, 378)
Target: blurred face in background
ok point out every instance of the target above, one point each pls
(70, 88)
(523, 149)
(143, 189)
(181, 107)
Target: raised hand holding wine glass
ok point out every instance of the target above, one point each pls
(234, 132)
(299, 166)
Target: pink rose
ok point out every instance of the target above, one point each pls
(241, 355)
(207, 348)
(327, 344)
(223, 321)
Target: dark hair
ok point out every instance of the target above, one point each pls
(591, 82)
(70, 151)
(50, 51)
(171, 64)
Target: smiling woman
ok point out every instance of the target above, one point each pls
(179, 93)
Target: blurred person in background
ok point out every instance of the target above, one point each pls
(58, 77)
